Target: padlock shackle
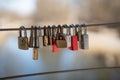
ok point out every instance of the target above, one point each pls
(20, 31)
(31, 34)
(79, 27)
(85, 28)
(49, 30)
(40, 31)
(45, 31)
(68, 32)
(53, 30)
(60, 29)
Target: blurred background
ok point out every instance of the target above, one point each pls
(104, 41)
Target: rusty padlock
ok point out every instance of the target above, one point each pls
(23, 40)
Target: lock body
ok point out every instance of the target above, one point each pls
(54, 47)
(23, 43)
(40, 42)
(74, 43)
(68, 39)
(84, 41)
(35, 54)
(61, 42)
(45, 40)
(74, 39)
(49, 40)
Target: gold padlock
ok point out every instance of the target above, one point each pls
(60, 42)
(23, 41)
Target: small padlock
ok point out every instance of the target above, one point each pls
(45, 37)
(49, 35)
(79, 34)
(54, 47)
(84, 38)
(68, 35)
(35, 49)
(74, 39)
(40, 37)
(23, 41)
(31, 38)
(60, 42)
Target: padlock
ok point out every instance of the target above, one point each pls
(84, 38)
(49, 35)
(23, 41)
(40, 37)
(31, 38)
(54, 47)
(35, 49)
(60, 42)
(45, 37)
(79, 34)
(74, 39)
(68, 35)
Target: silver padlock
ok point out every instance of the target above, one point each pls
(40, 37)
(79, 34)
(84, 38)
(68, 36)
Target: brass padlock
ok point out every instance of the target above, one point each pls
(23, 40)
(60, 42)
(35, 49)
(84, 38)
(31, 38)
(45, 37)
(49, 35)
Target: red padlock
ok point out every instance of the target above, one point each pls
(54, 47)
(74, 40)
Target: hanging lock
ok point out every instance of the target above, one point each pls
(79, 34)
(23, 41)
(45, 37)
(49, 35)
(74, 39)
(31, 38)
(68, 36)
(35, 49)
(60, 42)
(54, 47)
(40, 37)
(85, 38)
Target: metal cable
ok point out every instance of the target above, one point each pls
(56, 72)
(88, 25)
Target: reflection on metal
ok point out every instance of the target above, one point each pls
(62, 71)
